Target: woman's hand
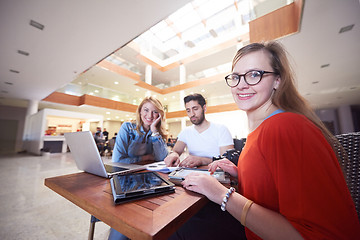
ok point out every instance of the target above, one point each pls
(225, 165)
(206, 185)
(154, 124)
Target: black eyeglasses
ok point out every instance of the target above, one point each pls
(251, 77)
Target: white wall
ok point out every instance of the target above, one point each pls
(33, 141)
(112, 127)
(235, 121)
(16, 114)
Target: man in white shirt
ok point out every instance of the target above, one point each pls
(203, 139)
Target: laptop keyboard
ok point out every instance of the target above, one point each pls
(112, 169)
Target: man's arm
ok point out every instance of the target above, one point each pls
(195, 161)
(173, 159)
(224, 148)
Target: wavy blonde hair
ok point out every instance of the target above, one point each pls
(159, 107)
(286, 96)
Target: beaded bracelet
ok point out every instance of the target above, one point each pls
(226, 198)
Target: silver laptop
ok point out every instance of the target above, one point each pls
(87, 157)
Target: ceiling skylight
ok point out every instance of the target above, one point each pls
(195, 26)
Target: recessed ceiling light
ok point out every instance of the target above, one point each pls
(116, 82)
(8, 83)
(14, 71)
(213, 33)
(117, 117)
(346, 28)
(202, 90)
(108, 118)
(96, 91)
(23, 53)
(325, 65)
(37, 25)
(137, 90)
(189, 44)
(107, 112)
(315, 82)
(352, 88)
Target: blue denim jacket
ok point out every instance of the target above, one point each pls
(130, 145)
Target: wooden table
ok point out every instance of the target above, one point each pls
(152, 218)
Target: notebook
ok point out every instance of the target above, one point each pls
(87, 157)
(141, 185)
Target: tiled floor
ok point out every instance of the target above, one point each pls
(30, 210)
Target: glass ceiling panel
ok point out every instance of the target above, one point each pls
(165, 34)
(198, 25)
(194, 32)
(187, 21)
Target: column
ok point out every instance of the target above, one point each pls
(345, 119)
(148, 77)
(182, 80)
(33, 106)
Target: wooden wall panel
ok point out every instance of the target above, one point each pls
(107, 103)
(210, 109)
(85, 99)
(58, 97)
(222, 108)
(119, 70)
(279, 23)
(176, 114)
(149, 87)
(195, 83)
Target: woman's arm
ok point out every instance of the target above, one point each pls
(122, 142)
(266, 223)
(159, 148)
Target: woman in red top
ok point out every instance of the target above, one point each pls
(290, 182)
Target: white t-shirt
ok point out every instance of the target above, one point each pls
(207, 143)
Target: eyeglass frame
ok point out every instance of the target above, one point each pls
(262, 72)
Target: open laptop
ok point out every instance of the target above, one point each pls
(87, 157)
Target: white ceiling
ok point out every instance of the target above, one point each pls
(80, 33)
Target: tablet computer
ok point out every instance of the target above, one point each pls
(178, 175)
(135, 186)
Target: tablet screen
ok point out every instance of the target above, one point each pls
(138, 182)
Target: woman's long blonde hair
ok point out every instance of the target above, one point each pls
(286, 96)
(159, 107)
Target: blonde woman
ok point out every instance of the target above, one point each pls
(144, 139)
